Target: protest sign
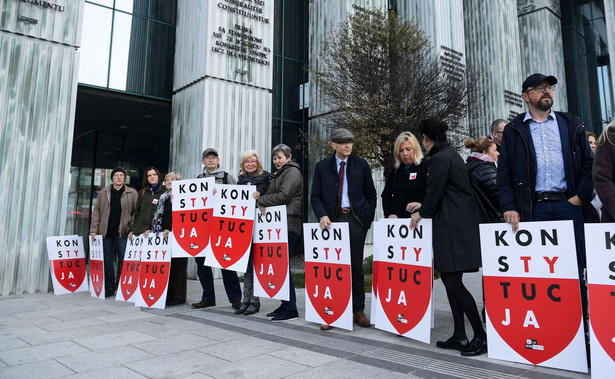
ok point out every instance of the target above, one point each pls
(129, 277)
(270, 254)
(232, 225)
(600, 247)
(154, 272)
(404, 274)
(97, 267)
(374, 305)
(328, 276)
(192, 210)
(67, 264)
(532, 294)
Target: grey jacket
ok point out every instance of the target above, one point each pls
(286, 188)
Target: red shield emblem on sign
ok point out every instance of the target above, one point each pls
(230, 239)
(534, 302)
(270, 266)
(97, 272)
(191, 229)
(130, 278)
(70, 273)
(601, 311)
(153, 281)
(403, 300)
(328, 286)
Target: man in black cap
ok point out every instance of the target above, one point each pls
(112, 218)
(545, 166)
(355, 204)
(211, 168)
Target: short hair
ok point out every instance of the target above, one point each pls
(479, 145)
(494, 125)
(402, 138)
(145, 182)
(434, 129)
(284, 149)
(247, 154)
(176, 175)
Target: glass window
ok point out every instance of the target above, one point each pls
(277, 86)
(159, 65)
(128, 5)
(294, 75)
(126, 49)
(107, 3)
(95, 44)
(163, 10)
(294, 29)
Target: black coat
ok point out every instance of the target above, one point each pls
(450, 203)
(403, 186)
(361, 190)
(604, 176)
(484, 175)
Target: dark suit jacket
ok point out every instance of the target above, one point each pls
(361, 190)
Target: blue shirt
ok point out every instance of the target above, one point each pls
(345, 200)
(550, 173)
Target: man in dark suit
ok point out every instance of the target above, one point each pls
(355, 203)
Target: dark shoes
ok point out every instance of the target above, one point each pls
(173, 303)
(274, 313)
(453, 344)
(242, 308)
(236, 304)
(285, 316)
(361, 319)
(109, 293)
(252, 309)
(204, 304)
(476, 347)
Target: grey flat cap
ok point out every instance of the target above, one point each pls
(341, 135)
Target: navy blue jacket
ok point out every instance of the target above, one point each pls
(361, 190)
(517, 163)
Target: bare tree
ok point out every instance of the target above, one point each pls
(380, 76)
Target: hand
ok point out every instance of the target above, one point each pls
(392, 216)
(130, 236)
(413, 207)
(512, 217)
(325, 223)
(256, 195)
(262, 209)
(146, 233)
(165, 234)
(414, 220)
(575, 201)
(214, 190)
(93, 235)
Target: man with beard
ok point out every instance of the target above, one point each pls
(545, 166)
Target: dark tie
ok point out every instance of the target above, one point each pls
(341, 181)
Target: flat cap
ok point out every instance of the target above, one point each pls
(340, 135)
(209, 151)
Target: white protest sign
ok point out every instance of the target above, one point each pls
(154, 272)
(67, 264)
(193, 203)
(97, 267)
(129, 277)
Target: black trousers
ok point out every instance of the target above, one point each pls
(357, 244)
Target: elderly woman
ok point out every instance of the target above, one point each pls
(406, 184)
(449, 202)
(178, 276)
(251, 173)
(603, 172)
(481, 165)
(286, 189)
(147, 201)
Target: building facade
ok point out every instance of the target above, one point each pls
(90, 85)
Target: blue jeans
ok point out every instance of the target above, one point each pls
(291, 304)
(110, 253)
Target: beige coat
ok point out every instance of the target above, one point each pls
(100, 215)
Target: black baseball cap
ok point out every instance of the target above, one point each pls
(535, 80)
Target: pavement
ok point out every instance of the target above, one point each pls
(78, 336)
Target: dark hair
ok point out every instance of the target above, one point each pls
(434, 129)
(145, 182)
(496, 123)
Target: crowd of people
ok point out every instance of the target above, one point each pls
(536, 167)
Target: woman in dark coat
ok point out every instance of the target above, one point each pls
(178, 276)
(481, 165)
(251, 173)
(286, 189)
(147, 202)
(406, 184)
(449, 202)
(603, 172)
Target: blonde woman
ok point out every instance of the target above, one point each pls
(603, 172)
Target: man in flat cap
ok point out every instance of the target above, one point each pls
(355, 203)
(211, 168)
(545, 166)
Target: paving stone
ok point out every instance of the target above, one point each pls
(10, 343)
(94, 360)
(175, 365)
(126, 316)
(40, 336)
(347, 369)
(47, 368)
(169, 329)
(115, 372)
(71, 324)
(263, 366)
(40, 352)
(240, 349)
(175, 344)
(114, 339)
(304, 357)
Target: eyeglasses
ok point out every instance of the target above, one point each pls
(345, 143)
(250, 161)
(542, 89)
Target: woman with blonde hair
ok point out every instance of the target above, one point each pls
(406, 183)
(251, 173)
(603, 172)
